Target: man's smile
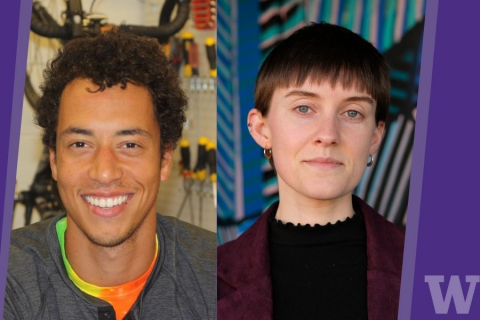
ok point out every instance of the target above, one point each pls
(106, 202)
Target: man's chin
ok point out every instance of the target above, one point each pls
(111, 241)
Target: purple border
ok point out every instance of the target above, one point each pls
(16, 36)
(447, 262)
(414, 201)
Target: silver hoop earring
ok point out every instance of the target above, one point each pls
(370, 161)
(249, 127)
(267, 153)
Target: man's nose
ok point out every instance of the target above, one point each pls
(105, 167)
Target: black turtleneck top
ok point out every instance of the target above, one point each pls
(319, 272)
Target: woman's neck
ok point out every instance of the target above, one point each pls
(303, 210)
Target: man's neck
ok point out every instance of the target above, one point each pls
(111, 266)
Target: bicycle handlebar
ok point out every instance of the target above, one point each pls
(162, 31)
(51, 30)
(46, 30)
(165, 16)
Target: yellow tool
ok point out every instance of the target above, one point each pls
(212, 165)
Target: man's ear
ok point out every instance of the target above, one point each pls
(167, 163)
(53, 162)
(258, 127)
(377, 137)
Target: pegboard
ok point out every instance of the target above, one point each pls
(201, 122)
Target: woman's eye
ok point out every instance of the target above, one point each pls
(303, 109)
(352, 114)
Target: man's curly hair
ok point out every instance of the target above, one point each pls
(110, 59)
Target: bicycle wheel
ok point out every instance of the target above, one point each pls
(41, 49)
(30, 178)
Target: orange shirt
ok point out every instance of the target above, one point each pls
(121, 297)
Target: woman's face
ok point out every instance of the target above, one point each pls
(320, 138)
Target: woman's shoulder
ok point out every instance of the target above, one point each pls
(378, 223)
(257, 233)
(246, 257)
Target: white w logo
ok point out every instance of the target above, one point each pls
(454, 290)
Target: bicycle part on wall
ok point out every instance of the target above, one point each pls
(41, 49)
(67, 26)
(77, 22)
(43, 193)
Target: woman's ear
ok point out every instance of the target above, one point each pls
(377, 137)
(258, 127)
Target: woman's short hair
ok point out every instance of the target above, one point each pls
(324, 52)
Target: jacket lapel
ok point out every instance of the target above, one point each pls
(384, 264)
(245, 275)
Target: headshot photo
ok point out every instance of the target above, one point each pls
(115, 223)
(314, 227)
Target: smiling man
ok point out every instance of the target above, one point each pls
(112, 112)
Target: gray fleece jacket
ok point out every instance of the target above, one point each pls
(182, 284)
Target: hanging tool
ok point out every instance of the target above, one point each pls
(200, 172)
(212, 60)
(188, 55)
(187, 178)
(175, 53)
(212, 166)
(187, 39)
(191, 71)
(194, 58)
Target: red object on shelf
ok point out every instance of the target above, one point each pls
(204, 14)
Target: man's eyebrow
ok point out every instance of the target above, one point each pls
(76, 130)
(133, 132)
(124, 132)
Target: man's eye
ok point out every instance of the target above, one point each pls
(131, 145)
(303, 109)
(79, 145)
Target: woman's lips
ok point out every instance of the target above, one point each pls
(324, 163)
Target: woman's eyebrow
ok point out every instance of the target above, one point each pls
(301, 93)
(304, 93)
(361, 99)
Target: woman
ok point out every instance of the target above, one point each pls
(321, 102)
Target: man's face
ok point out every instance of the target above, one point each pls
(107, 161)
(321, 138)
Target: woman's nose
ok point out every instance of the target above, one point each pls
(327, 130)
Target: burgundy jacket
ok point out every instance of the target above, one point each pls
(243, 270)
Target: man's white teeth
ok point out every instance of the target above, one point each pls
(106, 202)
